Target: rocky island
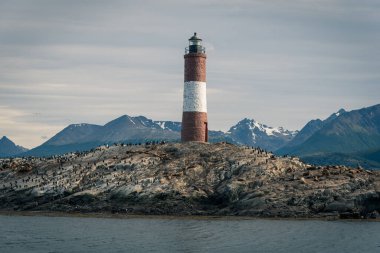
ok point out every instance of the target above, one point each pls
(187, 179)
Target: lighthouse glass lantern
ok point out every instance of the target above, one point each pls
(195, 45)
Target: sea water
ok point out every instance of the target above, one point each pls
(78, 234)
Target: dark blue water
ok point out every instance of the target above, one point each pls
(71, 234)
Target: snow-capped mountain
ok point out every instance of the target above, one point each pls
(252, 133)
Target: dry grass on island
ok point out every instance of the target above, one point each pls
(187, 179)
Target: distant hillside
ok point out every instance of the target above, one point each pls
(309, 129)
(373, 155)
(343, 138)
(9, 148)
(352, 131)
(366, 159)
(362, 159)
(75, 133)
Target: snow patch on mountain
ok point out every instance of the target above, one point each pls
(255, 126)
(251, 132)
(161, 124)
(78, 125)
(169, 125)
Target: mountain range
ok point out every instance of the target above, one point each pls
(125, 129)
(128, 129)
(348, 138)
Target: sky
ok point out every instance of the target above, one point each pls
(279, 62)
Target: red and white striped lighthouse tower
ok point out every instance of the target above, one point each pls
(194, 117)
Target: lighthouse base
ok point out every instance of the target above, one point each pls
(194, 127)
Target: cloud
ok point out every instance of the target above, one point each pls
(23, 128)
(280, 62)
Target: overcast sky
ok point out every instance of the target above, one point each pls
(282, 63)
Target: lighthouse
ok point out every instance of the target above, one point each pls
(194, 116)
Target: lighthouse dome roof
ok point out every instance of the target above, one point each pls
(195, 37)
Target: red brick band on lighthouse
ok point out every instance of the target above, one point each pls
(194, 117)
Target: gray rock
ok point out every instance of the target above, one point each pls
(339, 206)
(187, 179)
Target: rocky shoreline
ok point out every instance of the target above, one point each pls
(195, 179)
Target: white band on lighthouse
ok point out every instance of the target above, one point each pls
(194, 97)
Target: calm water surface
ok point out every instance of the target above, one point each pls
(72, 234)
